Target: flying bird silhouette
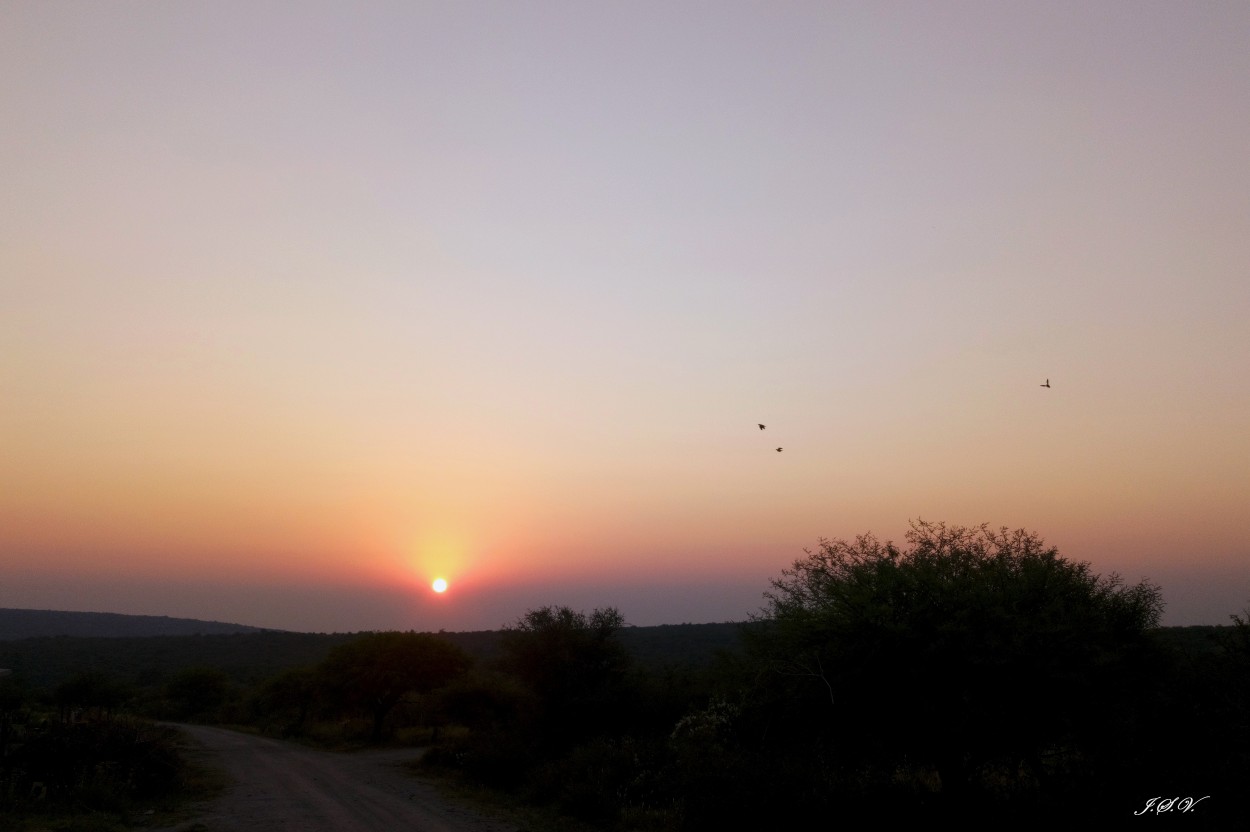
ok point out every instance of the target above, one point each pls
(779, 450)
(1047, 384)
(761, 426)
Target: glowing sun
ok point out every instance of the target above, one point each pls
(439, 585)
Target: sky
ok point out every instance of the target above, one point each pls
(304, 304)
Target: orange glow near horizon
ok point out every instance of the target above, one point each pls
(442, 554)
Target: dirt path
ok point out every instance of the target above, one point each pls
(277, 786)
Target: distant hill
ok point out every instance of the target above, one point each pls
(17, 624)
(146, 651)
(248, 656)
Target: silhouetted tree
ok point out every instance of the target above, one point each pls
(973, 652)
(378, 670)
(289, 697)
(197, 693)
(13, 701)
(1239, 638)
(90, 691)
(574, 664)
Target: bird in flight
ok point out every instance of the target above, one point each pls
(761, 426)
(779, 450)
(1047, 384)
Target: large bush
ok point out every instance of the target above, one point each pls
(981, 656)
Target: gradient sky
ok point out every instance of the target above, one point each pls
(305, 303)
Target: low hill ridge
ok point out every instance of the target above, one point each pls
(18, 624)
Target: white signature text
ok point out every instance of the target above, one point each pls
(1159, 805)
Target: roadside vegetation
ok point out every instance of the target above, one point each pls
(971, 674)
(94, 769)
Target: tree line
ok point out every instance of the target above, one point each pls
(970, 674)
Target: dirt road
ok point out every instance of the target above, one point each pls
(277, 786)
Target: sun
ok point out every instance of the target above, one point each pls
(439, 585)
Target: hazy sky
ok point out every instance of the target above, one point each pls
(305, 303)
